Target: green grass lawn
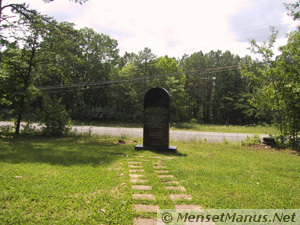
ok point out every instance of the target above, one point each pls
(85, 180)
(255, 129)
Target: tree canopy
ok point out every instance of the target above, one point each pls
(53, 73)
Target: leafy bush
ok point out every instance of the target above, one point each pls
(254, 140)
(30, 129)
(6, 130)
(56, 121)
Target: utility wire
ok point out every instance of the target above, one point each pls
(63, 88)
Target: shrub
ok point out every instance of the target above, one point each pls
(254, 140)
(7, 130)
(56, 121)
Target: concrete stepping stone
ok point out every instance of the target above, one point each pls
(170, 157)
(137, 170)
(144, 221)
(162, 171)
(193, 207)
(146, 208)
(132, 162)
(175, 197)
(175, 188)
(165, 176)
(134, 166)
(134, 180)
(141, 187)
(135, 175)
(155, 157)
(138, 156)
(143, 196)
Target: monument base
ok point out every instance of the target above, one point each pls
(168, 149)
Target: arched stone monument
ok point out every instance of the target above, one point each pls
(156, 121)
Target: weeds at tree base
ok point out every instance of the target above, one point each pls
(254, 140)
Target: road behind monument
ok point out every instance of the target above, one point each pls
(176, 135)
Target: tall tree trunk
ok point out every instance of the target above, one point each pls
(26, 86)
(20, 115)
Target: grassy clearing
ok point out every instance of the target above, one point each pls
(236, 177)
(256, 129)
(85, 180)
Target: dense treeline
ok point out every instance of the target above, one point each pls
(51, 72)
(88, 58)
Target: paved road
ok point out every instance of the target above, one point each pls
(174, 134)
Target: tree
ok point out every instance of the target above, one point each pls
(194, 84)
(216, 91)
(288, 69)
(80, 57)
(294, 9)
(55, 118)
(279, 84)
(174, 84)
(266, 95)
(98, 54)
(18, 63)
(18, 9)
(22, 9)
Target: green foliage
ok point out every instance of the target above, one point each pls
(7, 130)
(217, 97)
(294, 9)
(30, 129)
(278, 90)
(56, 121)
(83, 69)
(252, 140)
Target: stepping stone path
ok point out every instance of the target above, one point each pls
(134, 166)
(136, 175)
(175, 188)
(137, 171)
(143, 196)
(141, 187)
(146, 208)
(161, 171)
(139, 182)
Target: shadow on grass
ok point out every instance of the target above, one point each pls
(161, 152)
(61, 151)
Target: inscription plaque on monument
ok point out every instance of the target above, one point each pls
(156, 120)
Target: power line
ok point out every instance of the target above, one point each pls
(91, 85)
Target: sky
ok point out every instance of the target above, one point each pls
(175, 27)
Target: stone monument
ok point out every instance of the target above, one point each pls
(156, 121)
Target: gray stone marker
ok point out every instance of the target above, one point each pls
(156, 121)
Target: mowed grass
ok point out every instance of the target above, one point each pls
(229, 176)
(85, 180)
(253, 129)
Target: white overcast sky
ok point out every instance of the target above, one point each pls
(175, 27)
